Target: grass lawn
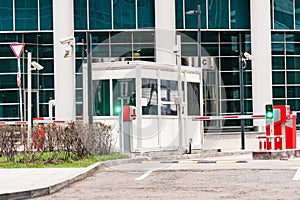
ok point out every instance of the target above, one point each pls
(42, 160)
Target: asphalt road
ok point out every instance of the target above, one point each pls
(184, 180)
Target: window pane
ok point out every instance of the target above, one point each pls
(146, 14)
(121, 37)
(218, 14)
(229, 64)
(278, 77)
(293, 77)
(46, 95)
(168, 92)
(230, 78)
(292, 49)
(46, 18)
(278, 91)
(293, 63)
(101, 51)
(26, 14)
(189, 50)
(191, 21)
(209, 36)
(232, 92)
(9, 111)
(122, 88)
(8, 80)
(124, 14)
(121, 50)
(277, 49)
(179, 14)
(80, 14)
(149, 92)
(100, 14)
(8, 65)
(46, 81)
(9, 96)
(101, 98)
(240, 14)
(229, 49)
(292, 37)
(294, 103)
(229, 37)
(278, 63)
(297, 13)
(283, 14)
(6, 15)
(210, 50)
(277, 37)
(231, 106)
(193, 98)
(143, 37)
(293, 92)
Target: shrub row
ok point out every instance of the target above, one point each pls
(63, 139)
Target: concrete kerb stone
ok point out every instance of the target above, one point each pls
(55, 187)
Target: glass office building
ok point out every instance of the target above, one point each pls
(128, 30)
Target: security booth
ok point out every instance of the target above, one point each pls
(147, 92)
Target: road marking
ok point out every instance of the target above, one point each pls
(226, 162)
(188, 162)
(148, 173)
(297, 175)
(145, 175)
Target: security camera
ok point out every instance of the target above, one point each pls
(248, 56)
(67, 40)
(37, 65)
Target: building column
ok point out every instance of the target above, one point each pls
(261, 64)
(64, 68)
(165, 31)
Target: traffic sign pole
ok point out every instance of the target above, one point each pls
(17, 49)
(20, 91)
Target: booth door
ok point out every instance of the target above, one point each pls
(210, 97)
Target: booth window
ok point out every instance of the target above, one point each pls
(149, 92)
(168, 92)
(125, 89)
(101, 97)
(193, 98)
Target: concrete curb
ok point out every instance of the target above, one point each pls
(57, 186)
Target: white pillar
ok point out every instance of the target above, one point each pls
(261, 64)
(165, 31)
(64, 68)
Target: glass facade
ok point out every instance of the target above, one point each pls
(125, 30)
(215, 14)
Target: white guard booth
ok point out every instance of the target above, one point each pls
(152, 88)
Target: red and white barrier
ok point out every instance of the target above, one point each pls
(13, 122)
(46, 120)
(206, 118)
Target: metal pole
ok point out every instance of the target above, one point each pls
(201, 73)
(20, 91)
(199, 35)
(242, 101)
(179, 85)
(121, 135)
(29, 98)
(89, 77)
(85, 86)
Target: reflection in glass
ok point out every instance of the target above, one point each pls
(149, 93)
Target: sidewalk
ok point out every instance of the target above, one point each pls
(28, 183)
